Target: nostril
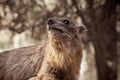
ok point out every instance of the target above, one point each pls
(50, 21)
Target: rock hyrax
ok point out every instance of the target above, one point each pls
(59, 58)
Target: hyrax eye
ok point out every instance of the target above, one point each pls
(66, 22)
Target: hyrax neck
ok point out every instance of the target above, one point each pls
(63, 56)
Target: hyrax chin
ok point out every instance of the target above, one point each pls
(58, 59)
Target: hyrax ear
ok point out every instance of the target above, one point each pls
(82, 30)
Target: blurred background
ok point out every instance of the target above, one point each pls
(23, 23)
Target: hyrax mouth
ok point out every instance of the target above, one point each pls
(55, 29)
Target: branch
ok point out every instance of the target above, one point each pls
(91, 12)
(79, 12)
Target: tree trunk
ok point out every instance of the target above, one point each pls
(101, 25)
(106, 44)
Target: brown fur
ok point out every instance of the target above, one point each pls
(58, 59)
(20, 64)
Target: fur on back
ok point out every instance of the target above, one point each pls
(21, 64)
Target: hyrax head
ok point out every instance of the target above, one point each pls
(63, 29)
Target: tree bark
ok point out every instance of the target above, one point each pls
(101, 25)
(106, 43)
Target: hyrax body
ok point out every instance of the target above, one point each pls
(59, 58)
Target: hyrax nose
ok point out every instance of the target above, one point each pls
(50, 21)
